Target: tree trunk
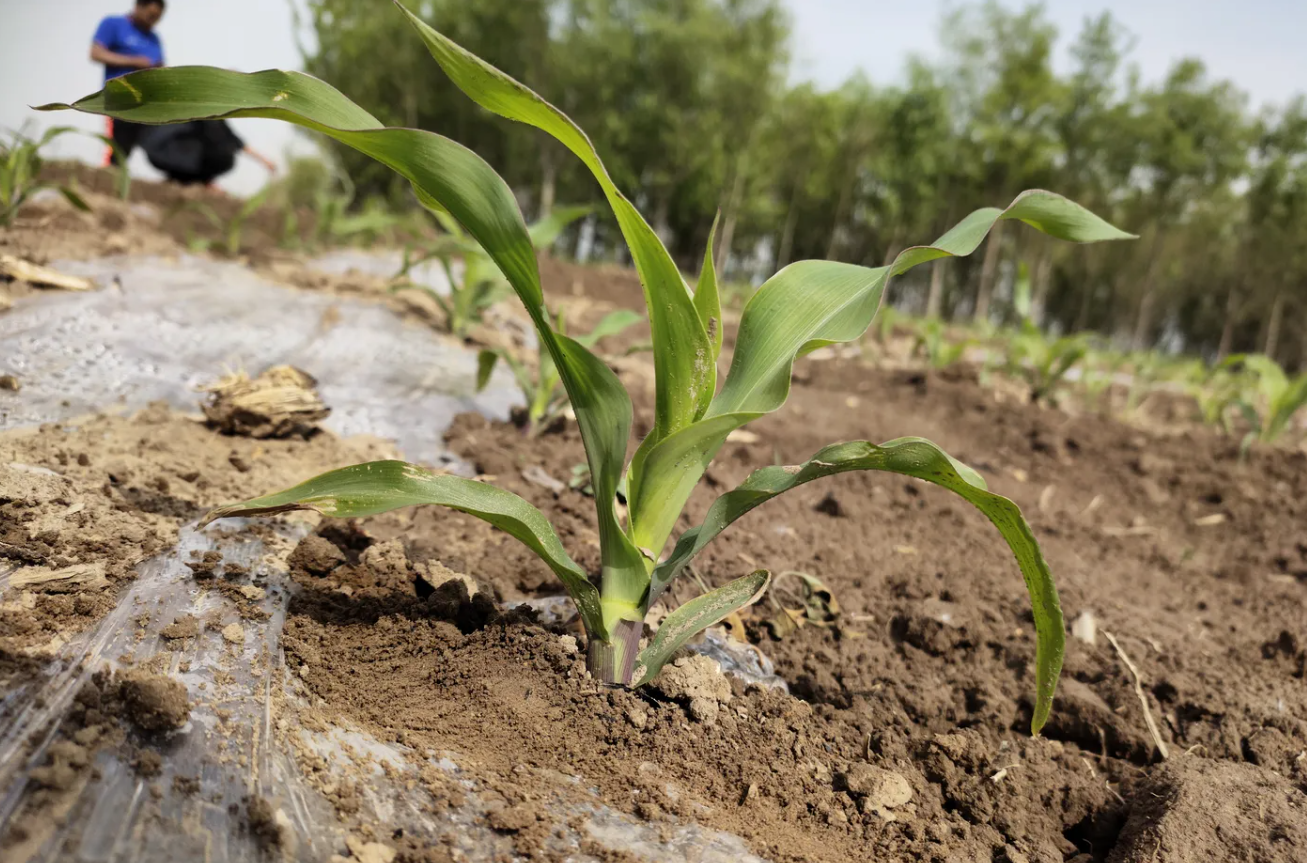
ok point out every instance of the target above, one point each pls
(1227, 327)
(787, 232)
(1148, 297)
(548, 181)
(843, 204)
(662, 219)
(1042, 280)
(935, 298)
(732, 215)
(1144, 322)
(988, 270)
(1273, 326)
(895, 246)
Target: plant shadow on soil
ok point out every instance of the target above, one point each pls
(904, 735)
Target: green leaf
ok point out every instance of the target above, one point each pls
(486, 360)
(380, 486)
(444, 174)
(694, 617)
(805, 306)
(707, 301)
(75, 199)
(917, 458)
(610, 325)
(546, 231)
(684, 371)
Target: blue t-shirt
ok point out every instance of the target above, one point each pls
(120, 35)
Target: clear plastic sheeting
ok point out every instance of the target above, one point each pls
(158, 329)
(155, 331)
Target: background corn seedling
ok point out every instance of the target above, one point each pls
(807, 305)
(934, 344)
(20, 172)
(229, 230)
(1269, 398)
(478, 284)
(540, 382)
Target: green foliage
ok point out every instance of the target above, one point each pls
(230, 229)
(936, 346)
(542, 388)
(478, 284)
(807, 305)
(1270, 399)
(1042, 361)
(20, 173)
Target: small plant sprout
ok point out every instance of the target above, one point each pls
(480, 284)
(230, 230)
(1269, 401)
(936, 347)
(20, 173)
(807, 305)
(542, 387)
(1042, 361)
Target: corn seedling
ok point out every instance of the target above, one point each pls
(1269, 404)
(480, 283)
(934, 344)
(805, 306)
(20, 173)
(229, 230)
(1042, 361)
(542, 387)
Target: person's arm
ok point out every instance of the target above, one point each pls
(106, 36)
(261, 159)
(101, 54)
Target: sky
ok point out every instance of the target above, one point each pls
(1255, 43)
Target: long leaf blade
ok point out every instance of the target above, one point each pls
(911, 457)
(814, 303)
(380, 486)
(694, 617)
(685, 374)
(707, 300)
(546, 231)
(442, 172)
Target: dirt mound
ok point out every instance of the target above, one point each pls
(1196, 809)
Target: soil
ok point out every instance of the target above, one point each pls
(905, 731)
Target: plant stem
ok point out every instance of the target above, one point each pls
(613, 661)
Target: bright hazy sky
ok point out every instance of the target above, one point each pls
(1255, 43)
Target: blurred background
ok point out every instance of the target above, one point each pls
(828, 129)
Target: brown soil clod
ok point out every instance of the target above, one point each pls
(281, 402)
(152, 702)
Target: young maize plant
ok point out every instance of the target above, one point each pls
(543, 392)
(1272, 398)
(20, 170)
(805, 306)
(232, 229)
(1042, 361)
(934, 344)
(482, 284)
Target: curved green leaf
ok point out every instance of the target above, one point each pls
(707, 299)
(380, 486)
(694, 617)
(810, 304)
(610, 325)
(443, 173)
(917, 458)
(814, 303)
(685, 374)
(546, 231)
